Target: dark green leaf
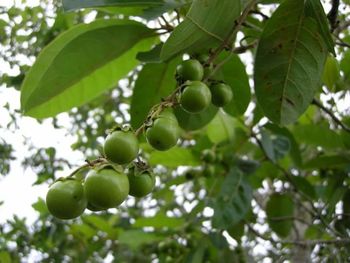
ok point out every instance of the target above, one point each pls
(78, 4)
(289, 63)
(279, 211)
(154, 82)
(235, 75)
(82, 63)
(159, 221)
(206, 24)
(233, 201)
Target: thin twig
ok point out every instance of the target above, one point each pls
(331, 114)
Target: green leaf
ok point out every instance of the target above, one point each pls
(206, 24)
(294, 147)
(328, 162)
(331, 73)
(101, 224)
(289, 63)
(190, 122)
(5, 257)
(320, 135)
(173, 158)
(304, 186)
(314, 7)
(154, 82)
(151, 56)
(275, 146)
(279, 210)
(81, 64)
(159, 221)
(136, 238)
(233, 201)
(78, 4)
(234, 74)
(221, 128)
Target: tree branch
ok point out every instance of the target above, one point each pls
(333, 15)
(331, 114)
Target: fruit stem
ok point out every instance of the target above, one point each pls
(89, 164)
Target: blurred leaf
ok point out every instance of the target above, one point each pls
(173, 158)
(77, 4)
(331, 73)
(304, 186)
(279, 211)
(136, 238)
(328, 161)
(5, 257)
(159, 221)
(73, 77)
(233, 201)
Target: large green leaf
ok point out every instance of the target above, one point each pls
(279, 211)
(315, 9)
(154, 82)
(234, 73)
(206, 24)
(233, 201)
(320, 135)
(82, 63)
(77, 4)
(289, 63)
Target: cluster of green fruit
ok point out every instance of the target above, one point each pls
(196, 95)
(106, 185)
(103, 188)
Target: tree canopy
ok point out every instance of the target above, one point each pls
(263, 176)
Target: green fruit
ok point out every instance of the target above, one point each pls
(279, 209)
(195, 97)
(141, 183)
(66, 199)
(203, 58)
(121, 147)
(106, 188)
(208, 156)
(221, 94)
(190, 70)
(163, 134)
(93, 208)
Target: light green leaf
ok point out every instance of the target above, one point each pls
(173, 158)
(320, 135)
(81, 64)
(154, 82)
(206, 24)
(331, 73)
(5, 257)
(289, 63)
(136, 238)
(159, 221)
(221, 128)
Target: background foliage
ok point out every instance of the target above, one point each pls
(280, 188)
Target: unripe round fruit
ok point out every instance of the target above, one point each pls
(141, 183)
(106, 188)
(221, 94)
(66, 199)
(195, 97)
(121, 147)
(190, 69)
(93, 208)
(163, 134)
